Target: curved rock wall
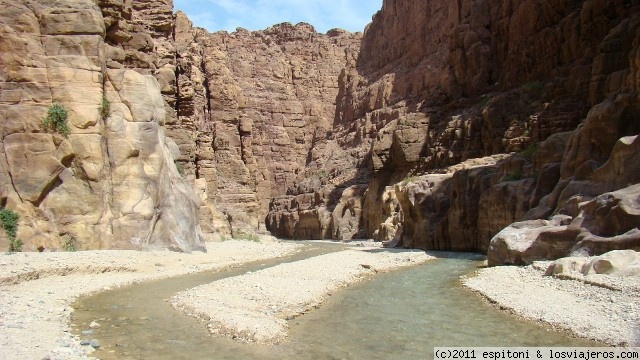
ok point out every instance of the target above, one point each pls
(112, 183)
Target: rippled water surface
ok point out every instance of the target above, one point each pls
(398, 315)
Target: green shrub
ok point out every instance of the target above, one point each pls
(409, 179)
(529, 151)
(483, 102)
(56, 120)
(248, 237)
(104, 108)
(69, 244)
(535, 87)
(15, 245)
(179, 167)
(512, 177)
(9, 221)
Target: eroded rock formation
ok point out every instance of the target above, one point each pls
(112, 182)
(264, 103)
(438, 127)
(439, 84)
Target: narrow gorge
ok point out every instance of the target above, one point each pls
(184, 158)
(436, 128)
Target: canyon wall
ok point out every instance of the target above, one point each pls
(443, 88)
(442, 125)
(265, 103)
(111, 182)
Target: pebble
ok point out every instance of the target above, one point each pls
(94, 325)
(85, 342)
(87, 332)
(65, 343)
(94, 343)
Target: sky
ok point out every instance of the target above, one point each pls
(215, 15)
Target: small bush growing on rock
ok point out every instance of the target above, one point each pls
(179, 167)
(528, 153)
(69, 244)
(15, 245)
(56, 120)
(104, 108)
(512, 177)
(322, 174)
(484, 101)
(534, 87)
(248, 237)
(9, 221)
(409, 179)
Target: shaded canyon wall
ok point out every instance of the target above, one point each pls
(444, 88)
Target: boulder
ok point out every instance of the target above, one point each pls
(608, 222)
(522, 243)
(618, 263)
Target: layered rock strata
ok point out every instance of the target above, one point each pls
(264, 104)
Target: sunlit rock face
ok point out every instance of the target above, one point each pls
(112, 182)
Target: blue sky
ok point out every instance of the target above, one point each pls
(214, 15)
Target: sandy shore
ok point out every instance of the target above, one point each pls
(254, 307)
(37, 289)
(598, 307)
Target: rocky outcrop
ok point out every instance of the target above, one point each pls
(598, 183)
(437, 84)
(478, 83)
(605, 222)
(112, 182)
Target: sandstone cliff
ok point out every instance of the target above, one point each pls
(112, 182)
(550, 85)
(264, 104)
(438, 127)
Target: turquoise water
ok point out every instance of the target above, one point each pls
(398, 315)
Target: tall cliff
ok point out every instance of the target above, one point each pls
(112, 182)
(265, 102)
(445, 88)
(438, 127)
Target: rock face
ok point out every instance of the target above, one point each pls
(598, 182)
(438, 84)
(443, 124)
(112, 183)
(264, 103)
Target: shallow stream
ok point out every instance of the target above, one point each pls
(397, 315)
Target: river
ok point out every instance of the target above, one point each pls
(397, 315)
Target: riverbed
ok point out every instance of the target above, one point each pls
(397, 315)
